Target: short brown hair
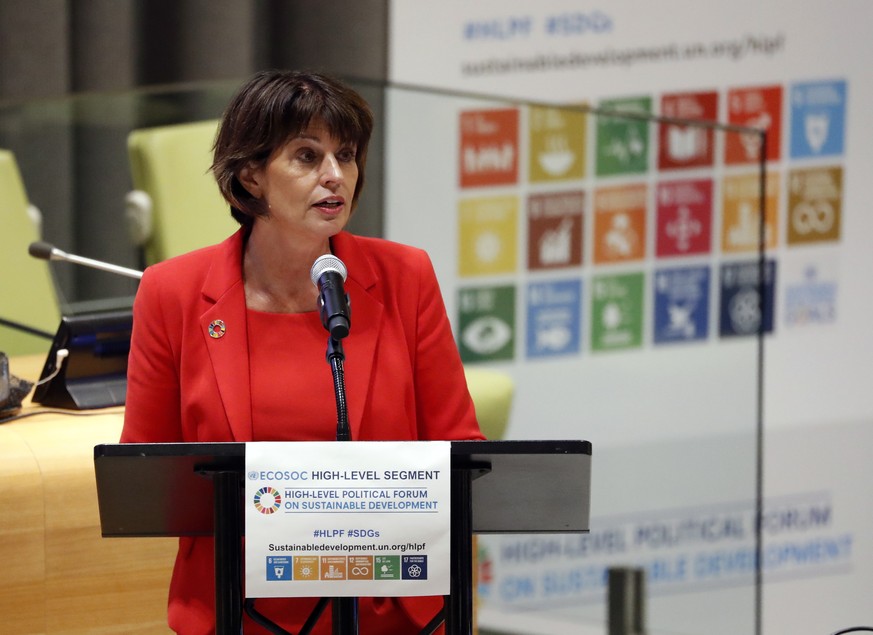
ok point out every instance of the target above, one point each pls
(268, 111)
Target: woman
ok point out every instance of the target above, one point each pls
(228, 345)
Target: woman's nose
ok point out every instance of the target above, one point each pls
(330, 170)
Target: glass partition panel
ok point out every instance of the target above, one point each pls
(72, 154)
(609, 261)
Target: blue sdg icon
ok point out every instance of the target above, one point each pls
(279, 568)
(553, 318)
(413, 568)
(818, 119)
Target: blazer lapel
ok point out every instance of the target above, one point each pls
(366, 325)
(223, 326)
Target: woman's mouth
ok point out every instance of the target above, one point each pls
(330, 204)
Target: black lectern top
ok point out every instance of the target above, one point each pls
(159, 489)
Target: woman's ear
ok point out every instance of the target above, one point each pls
(249, 177)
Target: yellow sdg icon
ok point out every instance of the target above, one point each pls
(815, 200)
(267, 500)
(813, 217)
(306, 568)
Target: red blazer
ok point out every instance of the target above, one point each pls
(404, 378)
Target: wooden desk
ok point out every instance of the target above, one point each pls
(59, 575)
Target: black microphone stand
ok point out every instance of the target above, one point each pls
(335, 357)
(344, 609)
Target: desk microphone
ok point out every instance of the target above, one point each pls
(45, 251)
(328, 274)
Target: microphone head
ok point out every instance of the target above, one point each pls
(40, 249)
(325, 263)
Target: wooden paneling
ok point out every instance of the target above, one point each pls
(22, 537)
(59, 575)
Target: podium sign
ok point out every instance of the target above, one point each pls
(370, 518)
(196, 489)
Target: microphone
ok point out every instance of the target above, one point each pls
(46, 251)
(328, 274)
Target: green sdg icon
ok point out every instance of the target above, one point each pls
(623, 142)
(617, 311)
(386, 568)
(486, 318)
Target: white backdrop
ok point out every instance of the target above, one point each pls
(818, 411)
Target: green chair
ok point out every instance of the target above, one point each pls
(492, 393)
(176, 205)
(27, 292)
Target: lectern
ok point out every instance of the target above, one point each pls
(196, 489)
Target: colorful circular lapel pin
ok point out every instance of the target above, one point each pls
(217, 329)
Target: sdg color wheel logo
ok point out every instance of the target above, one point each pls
(267, 500)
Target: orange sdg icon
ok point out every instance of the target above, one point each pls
(334, 568)
(741, 215)
(360, 567)
(620, 223)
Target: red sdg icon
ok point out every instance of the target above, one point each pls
(488, 147)
(684, 218)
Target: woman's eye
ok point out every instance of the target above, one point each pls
(346, 155)
(307, 156)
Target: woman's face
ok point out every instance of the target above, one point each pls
(307, 184)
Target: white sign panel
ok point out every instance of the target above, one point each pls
(328, 519)
(604, 265)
